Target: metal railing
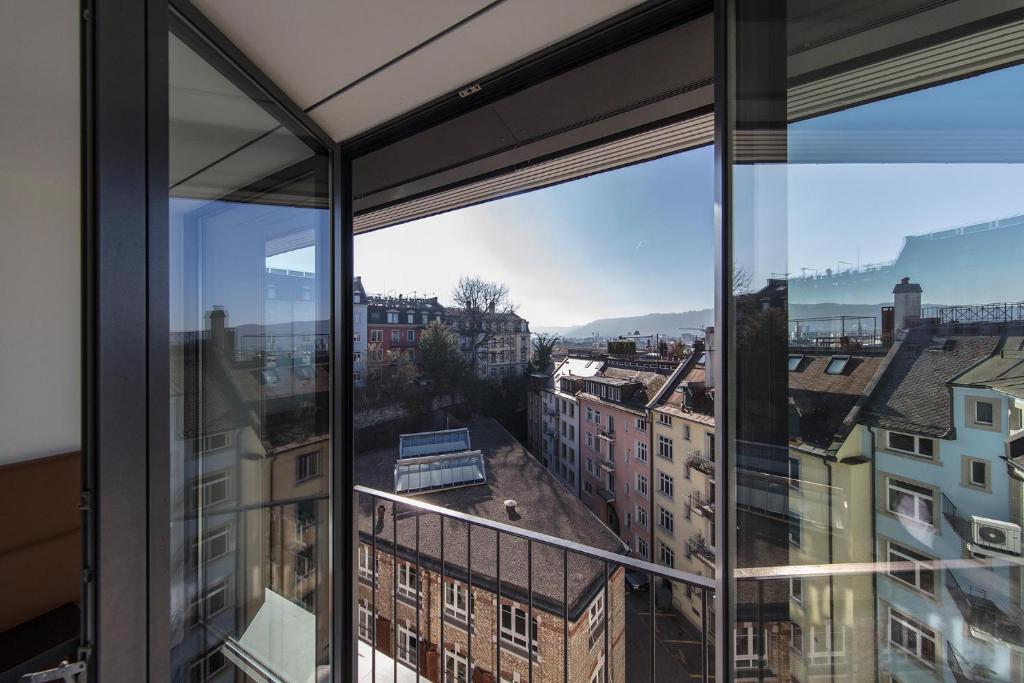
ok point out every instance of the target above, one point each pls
(696, 545)
(961, 524)
(982, 613)
(696, 503)
(697, 460)
(975, 313)
(406, 508)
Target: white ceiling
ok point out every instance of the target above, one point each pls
(313, 48)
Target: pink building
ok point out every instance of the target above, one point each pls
(615, 451)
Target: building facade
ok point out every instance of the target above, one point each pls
(494, 344)
(394, 326)
(359, 332)
(615, 450)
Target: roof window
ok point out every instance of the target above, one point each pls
(837, 365)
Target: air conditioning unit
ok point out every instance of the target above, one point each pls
(995, 534)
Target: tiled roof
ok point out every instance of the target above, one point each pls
(544, 505)
(822, 400)
(913, 395)
(670, 399)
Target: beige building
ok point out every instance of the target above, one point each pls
(683, 453)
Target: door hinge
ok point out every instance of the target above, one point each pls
(69, 672)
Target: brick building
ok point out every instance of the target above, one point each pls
(507, 472)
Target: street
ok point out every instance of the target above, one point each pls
(677, 647)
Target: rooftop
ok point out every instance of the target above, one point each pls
(823, 400)
(543, 505)
(1003, 372)
(913, 394)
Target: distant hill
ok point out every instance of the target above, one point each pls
(671, 323)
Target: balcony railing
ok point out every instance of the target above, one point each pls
(982, 615)
(542, 557)
(699, 461)
(704, 508)
(699, 547)
(963, 671)
(961, 524)
(607, 435)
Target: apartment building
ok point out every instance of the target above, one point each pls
(360, 306)
(496, 344)
(394, 325)
(829, 493)
(568, 381)
(476, 595)
(615, 449)
(682, 424)
(944, 422)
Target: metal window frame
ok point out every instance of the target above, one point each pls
(124, 123)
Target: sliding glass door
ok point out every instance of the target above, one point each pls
(250, 379)
(874, 155)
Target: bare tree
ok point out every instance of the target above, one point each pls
(484, 313)
(543, 346)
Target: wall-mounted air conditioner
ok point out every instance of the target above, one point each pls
(995, 534)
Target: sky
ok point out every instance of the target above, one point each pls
(633, 240)
(641, 239)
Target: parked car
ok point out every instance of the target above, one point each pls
(637, 581)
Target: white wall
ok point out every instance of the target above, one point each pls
(40, 236)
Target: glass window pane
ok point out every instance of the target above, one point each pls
(874, 216)
(250, 382)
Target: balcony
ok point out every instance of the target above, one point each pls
(701, 462)
(699, 547)
(705, 508)
(983, 536)
(607, 495)
(550, 412)
(608, 464)
(985, 619)
(606, 435)
(963, 671)
(529, 574)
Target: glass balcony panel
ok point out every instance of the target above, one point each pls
(249, 283)
(872, 210)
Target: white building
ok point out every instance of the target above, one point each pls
(358, 333)
(561, 410)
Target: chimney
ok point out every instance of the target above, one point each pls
(709, 360)
(906, 304)
(217, 318)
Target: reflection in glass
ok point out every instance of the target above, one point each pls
(249, 354)
(876, 217)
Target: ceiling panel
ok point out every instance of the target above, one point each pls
(314, 48)
(495, 39)
(311, 48)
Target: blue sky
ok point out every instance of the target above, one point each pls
(640, 239)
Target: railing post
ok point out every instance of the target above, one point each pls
(607, 608)
(394, 582)
(373, 586)
(565, 616)
(419, 589)
(654, 627)
(704, 635)
(469, 601)
(529, 612)
(497, 623)
(444, 597)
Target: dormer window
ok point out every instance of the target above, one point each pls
(794, 361)
(836, 365)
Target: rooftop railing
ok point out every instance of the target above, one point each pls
(591, 607)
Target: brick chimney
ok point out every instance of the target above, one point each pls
(906, 304)
(218, 319)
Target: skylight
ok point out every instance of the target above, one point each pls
(438, 472)
(837, 365)
(703, 357)
(794, 362)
